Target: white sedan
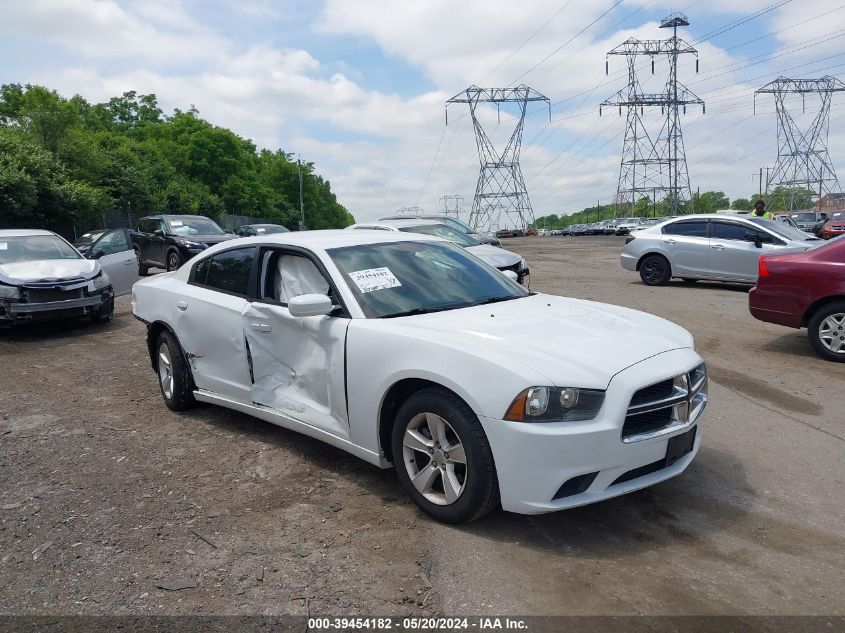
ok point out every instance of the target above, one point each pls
(405, 350)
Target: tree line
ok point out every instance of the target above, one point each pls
(67, 160)
(779, 200)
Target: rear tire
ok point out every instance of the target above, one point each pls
(456, 487)
(655, 270)
(826, 331)
(174, 375)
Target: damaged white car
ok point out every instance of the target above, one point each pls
(403, 349)
(43, 277)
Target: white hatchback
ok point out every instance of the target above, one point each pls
(405, 350)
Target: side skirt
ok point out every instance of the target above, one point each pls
(269, 415)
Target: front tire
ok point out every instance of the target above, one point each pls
(826, 330)
(655, 270)
(104, 313)
(174, 260)
(443, 458)
(174, 375)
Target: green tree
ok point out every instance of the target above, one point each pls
(742, 204)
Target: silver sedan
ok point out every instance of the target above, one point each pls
(717, 247)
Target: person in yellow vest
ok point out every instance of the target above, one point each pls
(760, 211)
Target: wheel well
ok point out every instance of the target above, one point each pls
(805, 320)
(393, 399)
(640, 260)
(153, 331)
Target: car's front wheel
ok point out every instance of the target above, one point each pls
(443, 458)
(826, 330)
(174, 260)
(174, 375)
(655, 270)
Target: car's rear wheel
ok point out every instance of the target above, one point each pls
(443, 458)
(655, 270)
(826, 330)
(174, 260)
(174, 375)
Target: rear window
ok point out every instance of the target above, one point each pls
(694, 228)
(230, 271)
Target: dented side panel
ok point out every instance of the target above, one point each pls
(298, 365)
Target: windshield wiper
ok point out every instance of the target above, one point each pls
(414, 311)
(493, 300)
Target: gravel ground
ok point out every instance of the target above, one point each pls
(112, 504)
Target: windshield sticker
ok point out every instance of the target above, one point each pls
(4, 246)
(374, 279)
(175, 222)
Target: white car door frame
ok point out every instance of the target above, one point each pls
(120, 264)
(298, 364)
(209, 325)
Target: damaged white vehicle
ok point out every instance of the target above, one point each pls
(403, 349)
(43, 277)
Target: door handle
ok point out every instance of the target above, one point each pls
(718, 247)
(129, 262)
(182, 305)
(261, 327)
(669, 242)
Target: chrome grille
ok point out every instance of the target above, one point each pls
(666, 406)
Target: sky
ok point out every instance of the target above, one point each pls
(359, 87)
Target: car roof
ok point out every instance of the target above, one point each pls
(166, 216)
(24, 232)
(330, 238)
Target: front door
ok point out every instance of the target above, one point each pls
(734, 255)
(113, 249)
(297, 363)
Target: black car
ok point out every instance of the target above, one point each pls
(168, 241)
(248, 230)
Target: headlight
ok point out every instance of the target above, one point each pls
(9, 292)
(190, 244)
(522, 264)
(101, 281)
(555, 404)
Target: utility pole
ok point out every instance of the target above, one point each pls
(301, 201)
(803, 159)
(500, 195)
(645, 163)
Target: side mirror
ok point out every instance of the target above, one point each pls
(98, 254)
(754, 237)
(511, 275)
(310, 305)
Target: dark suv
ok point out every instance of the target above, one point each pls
(168, 241)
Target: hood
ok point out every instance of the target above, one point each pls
(574, 343)
(48, 270)
(494, 255)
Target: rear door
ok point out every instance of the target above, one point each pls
(298, 363)
(734, 255)
(687, 244)
(113, 249)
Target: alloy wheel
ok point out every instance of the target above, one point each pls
(165, 370)
(832, 332)
(653, 270)
(172, 262)
(434, 458)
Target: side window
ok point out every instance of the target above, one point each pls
(695, 228)
(145, 226)
(111, 243)
(730, 231)
(230, 271)
(287, 276)
(200, 272)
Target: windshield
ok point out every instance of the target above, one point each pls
(193, 225)
(269, 228)
(783, 229)
(404, 278)
(839, 215)
(804, 217)
(441, 230)
(460, 226)
(34, 248)
(89, 238)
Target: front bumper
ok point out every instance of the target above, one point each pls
(628, 261)
(17, 312)
(533, 460)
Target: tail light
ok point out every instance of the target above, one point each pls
(764, 270)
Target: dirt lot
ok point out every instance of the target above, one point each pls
(107, 496)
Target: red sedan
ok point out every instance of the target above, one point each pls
(805, 290)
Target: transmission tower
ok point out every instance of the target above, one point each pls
(409, 211)
(803, 160)
(500, 195)
(451, 205)
(651, 165)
